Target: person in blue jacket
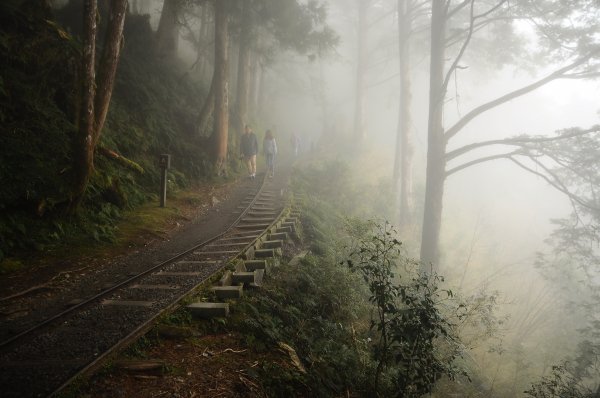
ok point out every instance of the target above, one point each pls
(249, 148)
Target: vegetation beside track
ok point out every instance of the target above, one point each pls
(40, 52)
(308, 332)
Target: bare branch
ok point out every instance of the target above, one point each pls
(456, 9)
(480, 160)
(462, 49)
(560, 188)
(518, 141)
(559, 73)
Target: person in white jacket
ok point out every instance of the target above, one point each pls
(270, 150)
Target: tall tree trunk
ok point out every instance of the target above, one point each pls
(436, 142)
(204, 33)
(108, 64)
(221, 88)
(261, 88)
(253, 86)
(84, 150)
(95, 95)
(243, 72)
(404, 146)
(360, 71)
(207, 109)
(167, 34)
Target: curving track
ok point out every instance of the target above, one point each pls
(38, 361)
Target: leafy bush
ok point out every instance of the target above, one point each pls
(412, 329)
(315, 309)
(561, 383)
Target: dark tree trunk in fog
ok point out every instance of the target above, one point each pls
(203, 58)
(84, 150)
(207, 109)
(108, 63)
(167, 34)
(436, 142)
(95, 98)
(254, 83)
(243, 72)
(361, 62)
(404, 146)
(581, 65)
(221, 85)
(261, 89)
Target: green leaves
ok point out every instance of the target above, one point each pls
(408, 320)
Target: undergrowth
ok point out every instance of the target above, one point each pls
(152, 111)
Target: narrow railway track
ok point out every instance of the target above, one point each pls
(45, 357)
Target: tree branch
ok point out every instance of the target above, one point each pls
(462, 49)
(480, 160)
(110, 154)
(456, 9)
(518, 141)
(563, 190)
(452, 131)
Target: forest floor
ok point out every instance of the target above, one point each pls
(147, 228)
(218, 364)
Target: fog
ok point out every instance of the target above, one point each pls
(496, 217)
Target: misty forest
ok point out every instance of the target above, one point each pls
(444, 155)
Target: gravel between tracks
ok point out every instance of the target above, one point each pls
(108, 271)
(19, 314)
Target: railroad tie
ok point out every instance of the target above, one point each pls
(178, 273)
(257, 220)
(283, 236)
(217, 245)
(254, 227)
(288, 230)
(271, 244)
(242, 277)
(267, 253)
(127, 303)
(228, 292)
(253, 265)
(289, 224)
(155, 287)
(205, 310)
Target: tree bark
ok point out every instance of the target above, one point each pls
(360, 71)
(436, 142)
(243, 72)
(404, 146)
(203, 61)
(253, 86)
(84, 150)
(167, 34)
(221, 88)
(207, 109)
(95, 103)
(261, 88)
(108, 64)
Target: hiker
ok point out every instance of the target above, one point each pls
(249, 148)
(295, 144)
(270, 150)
